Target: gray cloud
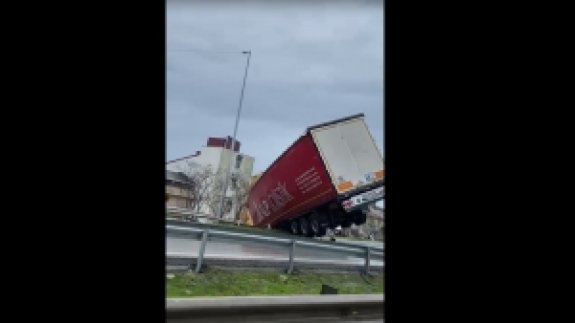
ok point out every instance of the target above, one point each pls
(310, 64)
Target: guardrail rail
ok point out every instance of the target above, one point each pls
(205, 234)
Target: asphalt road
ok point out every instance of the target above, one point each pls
(183, 246)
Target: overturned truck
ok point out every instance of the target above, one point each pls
(327, 178)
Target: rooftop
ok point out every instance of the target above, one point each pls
(176, 177)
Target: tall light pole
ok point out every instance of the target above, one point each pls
(232, 146)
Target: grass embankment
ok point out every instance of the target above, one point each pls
(220, 282)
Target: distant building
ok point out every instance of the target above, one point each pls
(218, 155)
(178, 192)
(374, 224)
(376, 216)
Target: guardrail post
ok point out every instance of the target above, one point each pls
(367, 256)
(291, 257)
(201, 252)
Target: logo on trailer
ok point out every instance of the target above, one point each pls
(275, 200)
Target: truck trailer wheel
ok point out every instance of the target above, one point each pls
(346, 222)
(359, 218)
(314, 225)
(304, 228)
(317, 226)
(322, 230)
(293, 227)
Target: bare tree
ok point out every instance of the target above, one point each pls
(200, 184)
(214, 198)
(206, 189)
(238, 191)
(241, 188)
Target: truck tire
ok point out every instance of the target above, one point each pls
(317, 226)
(347, 222)
(359, 218)
(323, 230)
(331, 222)
(294, 227)
(304, 228)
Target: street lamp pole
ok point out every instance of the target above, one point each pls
(232, 146)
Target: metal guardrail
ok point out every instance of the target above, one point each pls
(267, 232)
(176, 213)
(203, 234)
(183, 211)
(300, 308)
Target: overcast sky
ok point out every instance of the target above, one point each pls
(310, 63)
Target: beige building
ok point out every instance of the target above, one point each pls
(178, 192)
(218, 155)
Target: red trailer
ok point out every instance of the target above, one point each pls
(326, 178)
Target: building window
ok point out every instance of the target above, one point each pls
(238, 161)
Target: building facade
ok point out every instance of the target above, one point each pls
(178, 190)
(218, 156)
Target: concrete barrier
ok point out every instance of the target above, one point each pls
(297, 308)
